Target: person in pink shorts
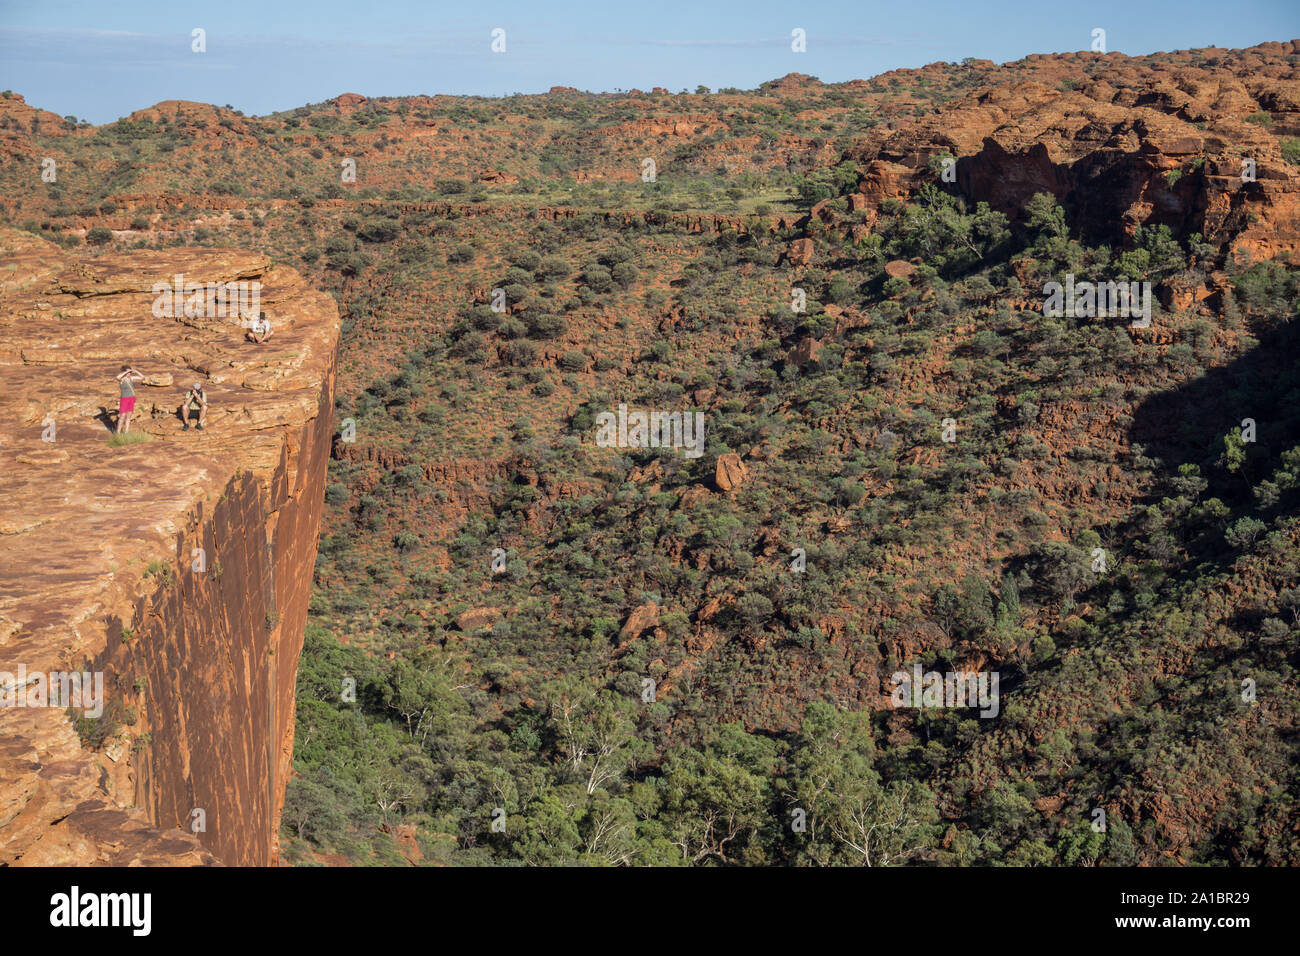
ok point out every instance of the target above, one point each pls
(126, 401)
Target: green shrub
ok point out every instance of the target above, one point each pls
(528, 260)
(553, 267)
(386, 230)
(160, 570)
(548, 327)
(573, 361)
(625, 274)
(598, 277)
(520, 353)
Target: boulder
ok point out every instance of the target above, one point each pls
(806, 350)
(822, 211)
(640, 620)
(477, 617)
(800, 252)
(1177, 294)
(730, 471)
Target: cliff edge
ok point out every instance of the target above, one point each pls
(177, 569)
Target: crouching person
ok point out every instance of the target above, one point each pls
(260, 330)
(195, 405)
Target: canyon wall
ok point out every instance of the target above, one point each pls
(178, 567)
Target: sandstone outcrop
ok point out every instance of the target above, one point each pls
(179, 567)
(800, 252)
(640, 620)
(1162, 146)
(495, 177)
(730, 471)
(186, 113)
(476, 618)
(806, 350)
(19, 122)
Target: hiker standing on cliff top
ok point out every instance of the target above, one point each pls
(126, 401)
(195, 401)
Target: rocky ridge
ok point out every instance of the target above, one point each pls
(1196, 148)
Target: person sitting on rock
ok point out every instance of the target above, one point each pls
(195, 401)
(126, 401)
(260, 330)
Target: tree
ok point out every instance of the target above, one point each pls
(608, 830)
(381, 230)
(1289, 598)
(1044, 218)
(553, 267)
(1242, 533)
(715, 801)
(753, 608)
(1061, 569)
(548, 327)
(833, 751)
(969, 608)
(573, 361)
(413, 691)
(884, 827)
(1003, 816)
(1008, 612)
(548, 831)
(312, 809)
(1234, 452)
(595, 731)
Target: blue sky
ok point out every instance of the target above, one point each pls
(101, 59)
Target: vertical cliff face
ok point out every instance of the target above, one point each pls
(179, 567)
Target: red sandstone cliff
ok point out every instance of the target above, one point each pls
(1122, 145)
(96, 566)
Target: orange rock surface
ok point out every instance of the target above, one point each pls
(1163, 146)
(730, 471)
(98, 567)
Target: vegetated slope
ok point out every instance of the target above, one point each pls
(522, 696)
(622, 567)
